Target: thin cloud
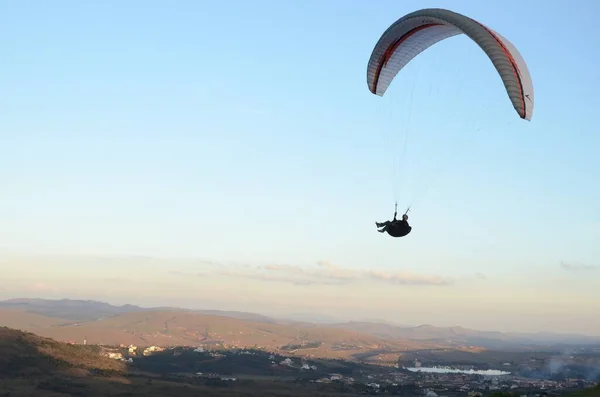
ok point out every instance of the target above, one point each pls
(282, 278)
(577, 266)
(186, 274)
(407, 278)
(290, 274)
(481, 276)
(326, 273)
(42, 287)
(321, 273)
(118, 280)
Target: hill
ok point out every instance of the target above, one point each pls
(33, 366)
(83, 311)
(591, 392)
(461, 337)
(68, 309)
(176, 328)
(32, 322)
(86, 310)
(27, 353)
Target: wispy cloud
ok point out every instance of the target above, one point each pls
(118, 280)
(577, 266)
(481, 276)
(42, 287)
(186, 274)
(322, 273)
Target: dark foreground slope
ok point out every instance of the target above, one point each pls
(23, 353)
(592, 392)
(34, 366)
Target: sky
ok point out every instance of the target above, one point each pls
(229, 155)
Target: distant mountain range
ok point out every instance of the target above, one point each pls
(459, 336)
(88, 311)
(177, 327)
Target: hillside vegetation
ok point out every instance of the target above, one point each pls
(25, 353)
(34, 366)
(592, 392)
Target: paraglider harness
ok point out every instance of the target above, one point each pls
(399, 228)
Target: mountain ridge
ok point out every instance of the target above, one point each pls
(83, 311)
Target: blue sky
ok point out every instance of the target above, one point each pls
(243, 132)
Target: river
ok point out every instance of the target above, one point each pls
(447, 370)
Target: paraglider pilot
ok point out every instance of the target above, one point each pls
(395, 228)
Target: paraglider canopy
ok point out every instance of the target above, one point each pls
(419, 30)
